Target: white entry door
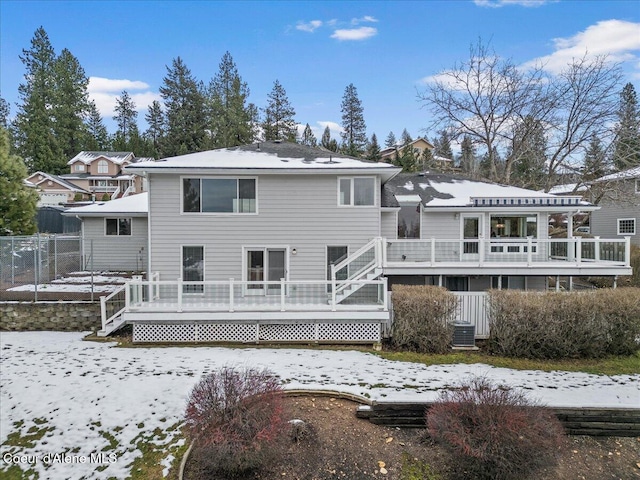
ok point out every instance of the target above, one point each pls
(471, 230)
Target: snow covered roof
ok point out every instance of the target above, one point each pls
(441, 190)
(132, 205)
(40, 177)
(623, 175)
(567, 188)
(277, 157)
(116, 157)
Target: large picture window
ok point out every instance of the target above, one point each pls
(219, 195)
(118, 226)
(514, 226)
(103, 166)
(357, 191)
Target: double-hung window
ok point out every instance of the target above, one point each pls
(219, 195)
(118, 226)
(357, 191)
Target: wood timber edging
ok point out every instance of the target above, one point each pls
(593, 421)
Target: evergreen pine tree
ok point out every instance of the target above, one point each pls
(442, 146)
(155, 132)
(527, 155)
(325, 141)
(183, 128)
(5, 111)
(595, 163)
(626, 153)
(97, 132)
(308, 138)
(354, 135)
(373, 149)
(17, 202)
(71, 105)
(467, 156)
(390, 141)
(34, 123)
(231, 120)
(405, 138)
(279, 123)
(126, 118)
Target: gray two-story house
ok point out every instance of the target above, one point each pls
(278, 241)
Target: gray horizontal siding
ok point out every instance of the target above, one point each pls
(389, 225)
(604, 222)
(440, 225)
(295, 211)
(115, 252)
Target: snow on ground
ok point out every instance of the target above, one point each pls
(66, 287)
(91, 395)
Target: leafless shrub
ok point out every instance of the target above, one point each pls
(493, 432)
(234, 419)
(553, 325)
(422, 318)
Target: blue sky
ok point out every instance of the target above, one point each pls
(315, 49)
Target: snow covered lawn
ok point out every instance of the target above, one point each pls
(94, 403)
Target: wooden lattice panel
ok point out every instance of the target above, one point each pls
(345, 332)
(145, 332)
(226, 332)
(287, 332)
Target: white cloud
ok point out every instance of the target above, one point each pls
(361, 33)
(310, 26)
(100, 84)
(318, 129)
(618, 39)
(502, 3)
(365, 19)
(104, 91)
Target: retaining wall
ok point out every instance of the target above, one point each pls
(56, 316)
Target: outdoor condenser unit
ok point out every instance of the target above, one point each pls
(464, 335)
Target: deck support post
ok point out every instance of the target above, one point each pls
(385, 297)
(103, 311)
(529, 250)
(596, 245)
(433, 250)
(627, 251)
(481, 251)
(282, 295)
(231, 296)
(578, 250)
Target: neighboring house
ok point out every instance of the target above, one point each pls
(278, 241)
(54, 189)
(114, 233)
(618, 195)
(419, 145)
(101, 173)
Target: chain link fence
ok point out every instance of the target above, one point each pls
(50, 268)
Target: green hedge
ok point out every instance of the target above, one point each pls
(555, 325)
(422, 318)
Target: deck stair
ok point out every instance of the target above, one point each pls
(111, 309)
(351, 274)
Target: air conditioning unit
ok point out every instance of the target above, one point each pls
(464, 335)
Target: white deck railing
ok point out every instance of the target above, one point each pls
(234, 296)
(529, 251)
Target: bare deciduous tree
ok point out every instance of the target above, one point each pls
(487, 98)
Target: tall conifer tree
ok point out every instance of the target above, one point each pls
(354, 135)
(626, 152)
(232, 120)
(34, 123)
(185, 121)
(279, 122)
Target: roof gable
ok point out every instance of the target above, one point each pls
(116, 157)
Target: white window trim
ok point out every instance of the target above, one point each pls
(635, 227)
(352, 192)
(118, 234)
(216, 214)
(78, 167)
(103, 163)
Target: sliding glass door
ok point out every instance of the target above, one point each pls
(265, 265)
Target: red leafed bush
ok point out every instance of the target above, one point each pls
(494, 432)
(234, 419)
